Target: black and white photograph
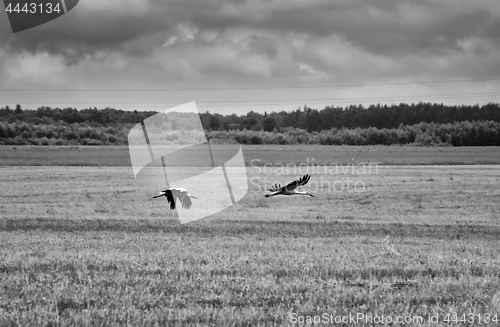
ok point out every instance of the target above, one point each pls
(252, 163)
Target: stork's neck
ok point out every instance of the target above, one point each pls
(301, 192)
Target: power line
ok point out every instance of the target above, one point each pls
(281, 101)
(248, 88)
(344, 101)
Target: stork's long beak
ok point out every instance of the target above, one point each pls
(194, 197)
(312, 195)
(159, 194)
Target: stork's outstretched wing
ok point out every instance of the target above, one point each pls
(174, 194)
(275, 188)
(183, 196)
(170, 199)
(298, 182)
(186, 201)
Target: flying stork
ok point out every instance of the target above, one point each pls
(177, 193)
(290, 189)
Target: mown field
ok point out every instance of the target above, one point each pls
(84, 246)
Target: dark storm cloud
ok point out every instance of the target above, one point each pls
(276, 40)
(263, 45)
(381, 27)
(89, 29)
(386, 27)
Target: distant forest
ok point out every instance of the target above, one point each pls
(422, 124)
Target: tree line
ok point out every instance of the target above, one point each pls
(418, 124)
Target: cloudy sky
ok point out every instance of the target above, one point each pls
(262, 55)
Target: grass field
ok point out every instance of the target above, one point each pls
(260, 155)
(83, 246)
